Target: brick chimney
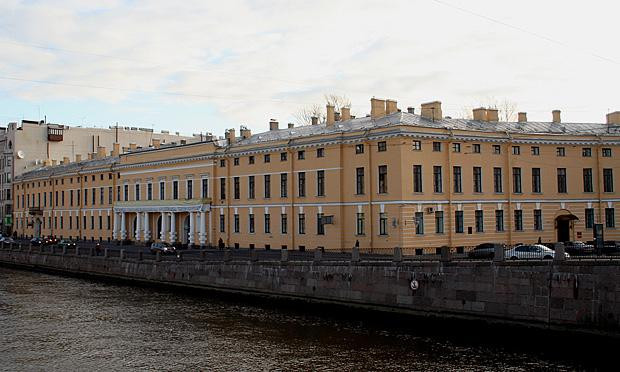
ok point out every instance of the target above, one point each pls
(346, 113)
(54, 162)
(315, 120)
(337, 116)
(377, 108)
(613, 118)
(116, 149)
(133, 146)
(390, 106)
(411, 110)
(78, 158)
(331, 115)
(273, 124)
(100, 152)
(245, 132)
(480, 114)
(156, 143)
(492, 114)
(556, 116)
(523, 117)
(291, 125)
(432, 110)
(230, 136)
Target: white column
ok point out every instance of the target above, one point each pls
(210, 229)
(201, 235)
(137, 232)
(123, 226)
(192, 228)
(173, 228)
(115, 234)
(147, 227)
(164, 226)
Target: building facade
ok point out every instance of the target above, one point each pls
(30, 145)
(389, 179)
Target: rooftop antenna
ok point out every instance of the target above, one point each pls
(116, 132)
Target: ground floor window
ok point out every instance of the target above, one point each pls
(610, 218)
(382, 223)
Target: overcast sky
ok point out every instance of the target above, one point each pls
(195, 66)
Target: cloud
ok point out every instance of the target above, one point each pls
(249, 61)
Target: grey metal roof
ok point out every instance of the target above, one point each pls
(404, 118)
(68, 168)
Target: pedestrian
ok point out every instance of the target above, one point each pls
(539, 240)
(357, 243)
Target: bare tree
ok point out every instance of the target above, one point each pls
(304, 115)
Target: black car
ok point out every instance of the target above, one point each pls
(485, 250)
(37, 241)
(66, 243)
(578, 248)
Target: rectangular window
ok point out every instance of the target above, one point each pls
(437, 179)
(267, 186)
(267, 223)
(610, 218)
(236, 222)
(382, 179)
(137, 192)
(205, 188)
(499, 220)
(320, 183)
(587, 180)
(606, 152)
(535, 150)
(359, 224)
(516, 180)
(536, 182)
(456, 147)
(477, 179)
(283, 223)
(100, 222)
(538, 225)
(457, 179)
(382, 223)
(93, 196)
(419, 223)
(476, 148)
(149, 191)
(561, 180)
(175, 189)
(251, 223)
(101, 195)
(86, 195)
(416, 145)
(236, 188)
(301, 155)
(222, 163)
(359, 181)
(283, 185)
(70, 198)
(251, 159)
(251, 188)
(608, 180)
(479, 220)
(458, 222)
(359, 148)
(497, 149)
(560, 151)
(236, 161)
(497, 180)
(320, 226)
(437, 146)
(381, 146)
(267, 158)
(589, 218)
(189, 189)
(302, 223)
(439, 222)
(320, 152)
(223, 188)
(417, 178)
(222, 223)
(283, 156)
(301, 184)
(516, 150)
(586, 152)
(518, 220)
(162, 190)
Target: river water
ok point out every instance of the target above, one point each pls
(50, 322)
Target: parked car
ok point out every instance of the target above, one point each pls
(578, 248)
(7, 240)
(531, 251)
(163, 248)
(485, 250)
(36, 241)
(66, 243)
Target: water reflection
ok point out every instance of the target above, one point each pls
(60, 323)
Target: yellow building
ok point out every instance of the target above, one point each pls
(389, 179)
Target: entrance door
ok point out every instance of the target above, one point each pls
(185, 234)
(37, 228)
(156, 237)
(563, 227)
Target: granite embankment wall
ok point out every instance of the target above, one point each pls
(571, 295)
